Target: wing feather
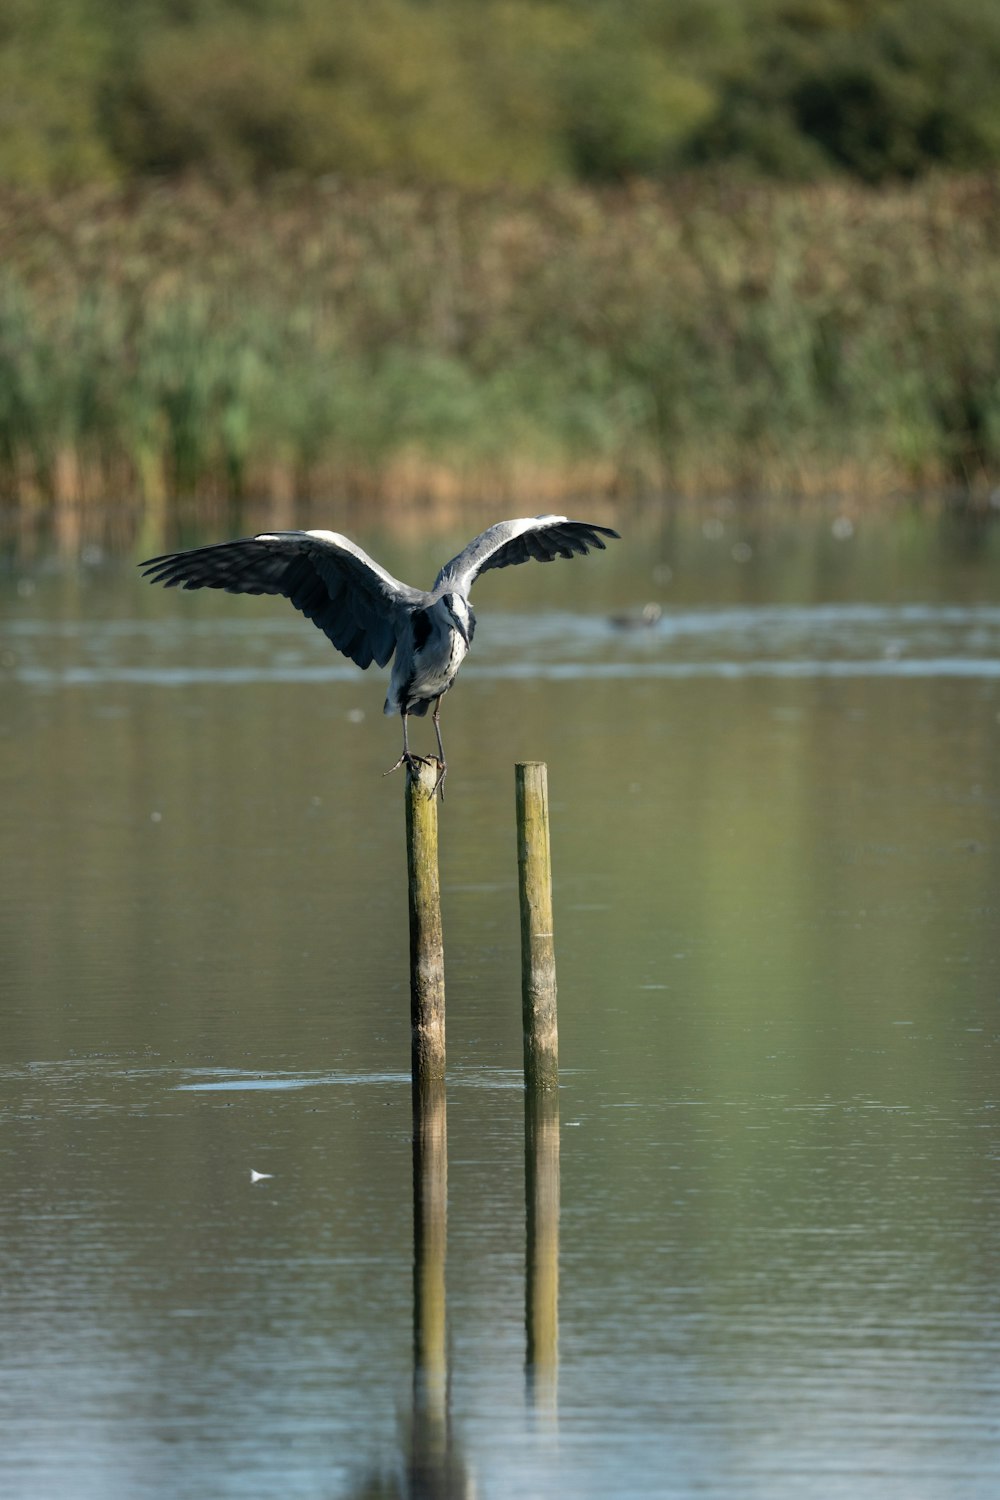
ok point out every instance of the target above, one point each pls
(332, 581)
(538, 538)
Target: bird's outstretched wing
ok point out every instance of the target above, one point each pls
(541, 538)
(357, 604)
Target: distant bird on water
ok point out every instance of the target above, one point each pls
(367, 613)
(644, 619)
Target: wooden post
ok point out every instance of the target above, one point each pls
(427, 1043)
(538, 959)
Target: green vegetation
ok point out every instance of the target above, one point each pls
(277, 246)
(528, 92)
(449, 342)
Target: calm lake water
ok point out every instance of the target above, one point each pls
(776, 838)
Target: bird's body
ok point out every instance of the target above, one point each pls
(429, 655)
(365, 612)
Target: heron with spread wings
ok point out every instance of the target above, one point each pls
(368, 614)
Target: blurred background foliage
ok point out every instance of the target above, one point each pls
(456, 247)
(470, 92)
(178, 340)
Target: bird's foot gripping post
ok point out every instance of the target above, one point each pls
(538, 960)
(442, 771)
(412, 764)
(427, 1032)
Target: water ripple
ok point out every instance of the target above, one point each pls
(786, 641)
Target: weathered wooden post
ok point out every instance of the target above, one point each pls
(538, 959)
(427, 1035)
(430, 1119)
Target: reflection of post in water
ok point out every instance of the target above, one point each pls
(541, 1186)
(434, 1466)
(429, 1464)
(430, 1236)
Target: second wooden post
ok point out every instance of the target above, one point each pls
(538, 957)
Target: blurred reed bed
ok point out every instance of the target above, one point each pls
(162, 343)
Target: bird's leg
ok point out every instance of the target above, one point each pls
(407, 759)
(442, 763)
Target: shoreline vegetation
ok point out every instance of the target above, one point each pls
(163, 343)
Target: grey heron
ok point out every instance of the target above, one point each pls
(368, 614)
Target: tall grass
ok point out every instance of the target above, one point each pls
(299, 341)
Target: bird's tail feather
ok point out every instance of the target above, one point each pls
(417, 709)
